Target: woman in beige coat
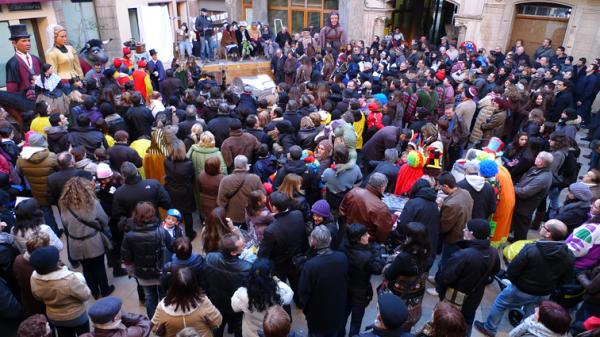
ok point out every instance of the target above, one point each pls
(185, 306)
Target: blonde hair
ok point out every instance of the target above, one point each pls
(207, 139)
(78, 195)
(196, 132)
(37, 239)
(306, 122)
(264, 118)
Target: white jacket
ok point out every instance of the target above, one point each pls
(253, 320)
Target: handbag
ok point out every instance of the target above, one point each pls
(106, 242)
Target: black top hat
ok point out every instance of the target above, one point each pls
(152, 52)
(18, 32)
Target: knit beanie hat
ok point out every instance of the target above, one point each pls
(44, 259)
(581, 191)
(103, 171)
(480, 228)
(321, 208)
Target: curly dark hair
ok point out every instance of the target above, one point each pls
(262, 287)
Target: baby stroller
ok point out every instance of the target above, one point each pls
(567, 295)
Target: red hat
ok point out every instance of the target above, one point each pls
(141, 64)
(440, 75)
(126, 51)
(117, 63)
(373, 106)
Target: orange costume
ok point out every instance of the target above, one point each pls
(505, 207)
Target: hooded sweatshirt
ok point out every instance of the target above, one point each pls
(531, 327)
(484, 197)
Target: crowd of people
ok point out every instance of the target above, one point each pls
(387, 159)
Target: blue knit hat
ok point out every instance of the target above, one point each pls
(105, 309)
(44, 259)
(381, 98)
(321, 208)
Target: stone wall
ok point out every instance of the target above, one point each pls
(108, 26)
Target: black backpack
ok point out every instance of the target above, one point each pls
(569, 171)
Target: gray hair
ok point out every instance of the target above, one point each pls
(378, 181)
(128, 170)
(320, 237)
(546, 157)
(391, 155)
(240, 162)
(191, 111)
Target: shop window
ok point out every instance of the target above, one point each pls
(84, 27)
(298, 14)
(134, 24)
(544, 9)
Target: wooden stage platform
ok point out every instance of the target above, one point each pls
(226, 71)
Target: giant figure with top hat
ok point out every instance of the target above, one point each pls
(21, 68)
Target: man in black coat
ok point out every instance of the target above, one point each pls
(121, 152)
(323, 286)
(537, 270)
(136, 190)
(467, 271)
(139, 118)
(224, 273)
(171, 86)
(86, 136)
(484, 197)
(291, 114)
(310, 179)
(189, 120)
(422, 207)
(219, 126)
(57, 180)
(57, 133)
(563, 99)
(284, 241)
(385, 138)
(277, 63)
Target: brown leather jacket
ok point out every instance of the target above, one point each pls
(136, 326)
(365, 206)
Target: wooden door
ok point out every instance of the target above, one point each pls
(534, 29)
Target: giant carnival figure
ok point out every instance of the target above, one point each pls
(20, 72)
(21, 68)
(63, 58)
(91, 54)
(333, 35)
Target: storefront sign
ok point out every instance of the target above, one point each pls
(25, 6)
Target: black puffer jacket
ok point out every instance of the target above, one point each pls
(541, 267)
(222, 276)
(143, 246)
(219, 126)
(306, 138)
(364, 261)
